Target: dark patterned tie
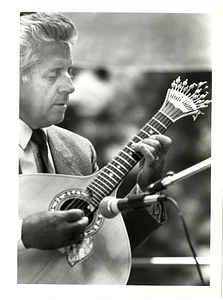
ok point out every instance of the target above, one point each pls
(39, 138)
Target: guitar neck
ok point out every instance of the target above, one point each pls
(115, 171)
(181, 100)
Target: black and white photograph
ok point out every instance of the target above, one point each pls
(116, 188)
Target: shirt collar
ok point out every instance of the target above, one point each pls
(25, 133)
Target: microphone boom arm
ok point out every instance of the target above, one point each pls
(170, 179)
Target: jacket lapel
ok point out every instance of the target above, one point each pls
(62, 156)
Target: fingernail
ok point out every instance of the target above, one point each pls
(81, 212)
(133, 144)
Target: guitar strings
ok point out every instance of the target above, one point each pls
(173, 113)
(82, 204)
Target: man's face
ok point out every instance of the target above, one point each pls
(45, 96)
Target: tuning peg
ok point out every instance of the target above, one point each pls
(201, 84)
(178, 80)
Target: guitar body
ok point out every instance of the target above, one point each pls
(110, 259)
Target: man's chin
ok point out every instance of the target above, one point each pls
(58, 120)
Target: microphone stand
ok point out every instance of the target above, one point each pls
(171, 178)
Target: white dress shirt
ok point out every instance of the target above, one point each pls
(29, 160)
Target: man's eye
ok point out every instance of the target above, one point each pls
(70, 72)
(52, 78)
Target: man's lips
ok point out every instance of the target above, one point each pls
(62, 103)
(60, 106)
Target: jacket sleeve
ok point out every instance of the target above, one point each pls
(141, 223)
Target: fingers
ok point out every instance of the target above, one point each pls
(164, 141)
(75, 220)
(78, 226)
(53, 229)
(75, 225)
(148, 150)
(154, 150)
(153, 147)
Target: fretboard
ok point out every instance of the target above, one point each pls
(115, 171)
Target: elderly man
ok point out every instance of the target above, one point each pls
(46, 63)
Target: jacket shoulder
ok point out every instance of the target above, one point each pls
(68, 147)
(65, 134)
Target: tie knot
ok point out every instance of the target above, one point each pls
(39, 137)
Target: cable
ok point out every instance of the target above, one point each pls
(187, 236)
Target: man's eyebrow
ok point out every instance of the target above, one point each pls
(57, 68)
(54, 69)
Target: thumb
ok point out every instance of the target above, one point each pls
(73, 215)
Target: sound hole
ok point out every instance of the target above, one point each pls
(76, 203)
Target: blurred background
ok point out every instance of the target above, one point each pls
(124, 64)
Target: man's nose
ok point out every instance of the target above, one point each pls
(67, 85)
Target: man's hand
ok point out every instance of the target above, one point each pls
(154, 150)
(53, 229)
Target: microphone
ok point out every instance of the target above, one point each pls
(111, 206)
(171, 178)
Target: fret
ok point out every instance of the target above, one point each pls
(98, 190)
(94, 202)
(120, 164)
(116, 168)
(97, 193)
(129, 156)
(110, 176)
(145, 132)
(152, 129)
(120, 157)
(100, 187)
(107, 187)
(98, 181)
(133, 151)
(159, 122)
(104, 178)
(163, 113)
(96, 196)
(142, 136)
(138, 137)
(165, 120)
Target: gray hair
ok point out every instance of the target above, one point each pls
(39, 28)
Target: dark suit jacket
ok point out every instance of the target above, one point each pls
(75, 155)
